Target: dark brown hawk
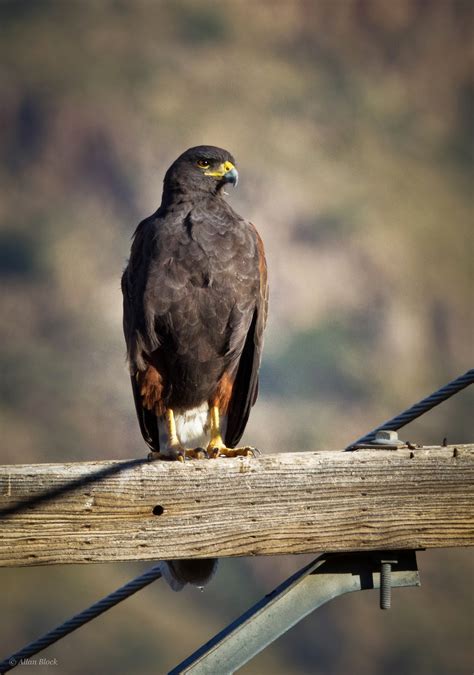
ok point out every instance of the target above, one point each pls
(195, 304)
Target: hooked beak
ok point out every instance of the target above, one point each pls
(227, 173)
(231, 176)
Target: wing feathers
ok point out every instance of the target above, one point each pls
(245, 389)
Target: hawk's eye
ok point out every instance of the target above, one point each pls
(203, 164)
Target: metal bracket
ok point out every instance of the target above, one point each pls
(327, 577)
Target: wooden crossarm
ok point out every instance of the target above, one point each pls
(276, 504)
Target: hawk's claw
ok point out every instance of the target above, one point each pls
(247, 451)
(178, 454)
(197, 453)
(172, 456)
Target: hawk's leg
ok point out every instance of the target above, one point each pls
(172, 448)
(217, 447)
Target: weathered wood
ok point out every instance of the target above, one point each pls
(284, 503)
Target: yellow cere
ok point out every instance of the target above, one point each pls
(224, 168)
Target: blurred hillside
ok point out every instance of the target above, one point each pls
(351, 123)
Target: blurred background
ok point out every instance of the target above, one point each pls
(351, 122)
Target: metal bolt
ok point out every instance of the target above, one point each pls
(386, 583)
(389, 438)
(386, 439)
(386, 435)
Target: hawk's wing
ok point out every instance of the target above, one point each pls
(133, 285)
(245, 388)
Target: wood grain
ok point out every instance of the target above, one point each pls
(276, 504)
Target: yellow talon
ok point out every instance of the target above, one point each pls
(217, 447)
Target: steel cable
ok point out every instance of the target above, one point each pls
(420, 408)
(80, 619)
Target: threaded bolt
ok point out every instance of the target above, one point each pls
(385, 585)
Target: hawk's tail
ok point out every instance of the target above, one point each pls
(178, 573)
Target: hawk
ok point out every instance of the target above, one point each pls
(195, 304)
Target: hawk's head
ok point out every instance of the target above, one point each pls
(204, 168)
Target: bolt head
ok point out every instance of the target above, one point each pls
(386, 435)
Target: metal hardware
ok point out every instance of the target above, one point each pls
(386, 583)
(385, 439)
(326, 578)
(388, 437)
